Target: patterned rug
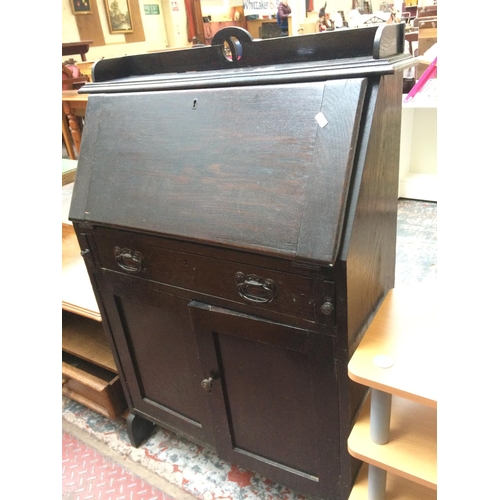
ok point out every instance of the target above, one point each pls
(196, 470)
(416, 243)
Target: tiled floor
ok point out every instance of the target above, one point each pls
(89, 475)
(99, 463)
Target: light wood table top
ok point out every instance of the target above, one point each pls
(77, 293)
(404, 333)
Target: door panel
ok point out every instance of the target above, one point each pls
(157, 350)
(273, 396)
(270, 402)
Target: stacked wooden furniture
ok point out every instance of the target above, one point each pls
(395, 432)
(265, 28)
(427, 38)
(70, 82)
(210, 28)
(89, 373)
(237, 215)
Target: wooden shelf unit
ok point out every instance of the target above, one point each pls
(397, 361)
(85, 338)
(411, 451)
(89, 373)
(397, 488)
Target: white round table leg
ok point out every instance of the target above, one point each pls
(376, 483)
(380, 416)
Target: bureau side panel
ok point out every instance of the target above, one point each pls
(371, 257)
(368, 253)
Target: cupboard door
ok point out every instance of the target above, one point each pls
(272, 391)
(157, 353)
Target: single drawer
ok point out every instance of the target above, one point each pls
(93, 387)
(153, 258)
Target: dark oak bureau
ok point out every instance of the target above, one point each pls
(236, 209)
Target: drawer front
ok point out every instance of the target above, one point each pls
(150, 258)
(101, 395)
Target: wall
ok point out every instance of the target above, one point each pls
(154, 28)
(218, 9)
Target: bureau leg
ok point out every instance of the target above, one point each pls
(380, 416)
(376, 483)
(138, 429)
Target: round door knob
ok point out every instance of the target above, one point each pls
(207, 384)
(327, 308)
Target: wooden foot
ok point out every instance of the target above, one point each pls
(138, 429)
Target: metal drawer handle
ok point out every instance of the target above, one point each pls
(128, 260)
(254, 288)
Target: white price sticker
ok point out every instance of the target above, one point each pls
(321, 119)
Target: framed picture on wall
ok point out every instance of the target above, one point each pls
(81, 6)
(119, 18)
